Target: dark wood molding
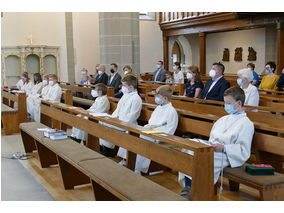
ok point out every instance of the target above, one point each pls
(280, 47)
(202, 50)
(229, 24)
(166, 52)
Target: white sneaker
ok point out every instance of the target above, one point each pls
(122, 162)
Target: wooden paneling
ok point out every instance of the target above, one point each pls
(202, 49)
(280, 47)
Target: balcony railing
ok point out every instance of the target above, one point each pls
(166, 17)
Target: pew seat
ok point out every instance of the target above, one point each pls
(81, 165)
(9, 119)
(82, 101)
(270, 187)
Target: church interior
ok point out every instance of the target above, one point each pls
(147, 106)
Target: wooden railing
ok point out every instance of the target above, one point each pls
(174, 16)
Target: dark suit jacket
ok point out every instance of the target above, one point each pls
(217, 92)
(116, 81)
(161, 76)
(102, 79)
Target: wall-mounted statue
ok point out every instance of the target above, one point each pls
(226, 55)
(238, 54)
(252, 54)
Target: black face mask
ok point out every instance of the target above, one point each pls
(112, 71)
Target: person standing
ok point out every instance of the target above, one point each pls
(160, 73)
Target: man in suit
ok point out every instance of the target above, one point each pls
(160, 73)
(114, 79)
(215, 87)
(102, 77)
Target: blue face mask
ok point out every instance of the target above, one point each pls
(240, 82)
(159, 101)
(158, 66)
(230, 108)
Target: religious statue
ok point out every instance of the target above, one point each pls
(252, 54)
(226, 55)
(238, 54)
(30, 38)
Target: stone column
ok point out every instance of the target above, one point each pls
(119, 40)
(69, 47)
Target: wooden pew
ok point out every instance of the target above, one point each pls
(179, 88)
(168, 154)
(267, 146)
(201, 124)
(266, 106)
(11, 118)
(146, 76)
(80, 165)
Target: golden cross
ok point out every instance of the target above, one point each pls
(30, 38)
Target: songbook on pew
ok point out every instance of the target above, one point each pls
(54, 134)
(260, 169)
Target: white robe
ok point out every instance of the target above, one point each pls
(235, 132)
(101, 105)
(34, 93)
(128, 110)
(20, 84)
(164, 118)
(54, 93)
(27, 87)
(252, 96)
(179, 76)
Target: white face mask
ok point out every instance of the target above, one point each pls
(212, 73)
(94, 93)
(100, 72)
(124, 90)
(44, 82)
(125, 72)
(189, 75)
(51, 83)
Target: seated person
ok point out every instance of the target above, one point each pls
(178, 74)
(114, 79)
(159, 74)
(164, 118)
(215, 87)
(280, 82)
(270, 79)
(54, 94)
(127, 70)
(128, 110)
(102, 77)
(20, 82)
(231, 136)
(255, 80)
(34, 92)
(27, 84)
(101, 105)
(194, 84)
(84, 73)
(169, 78)
(251, 92)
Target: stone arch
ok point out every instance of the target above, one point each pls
(185, 48)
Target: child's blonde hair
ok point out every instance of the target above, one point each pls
(165, 91)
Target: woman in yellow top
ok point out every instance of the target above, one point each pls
(269, 81)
